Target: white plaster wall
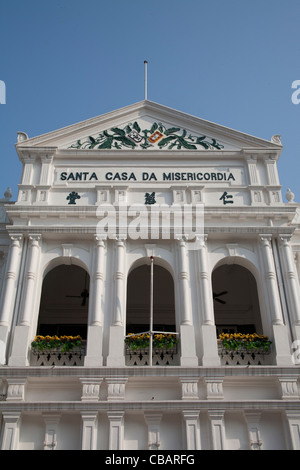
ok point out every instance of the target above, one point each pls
(32, 432)
(236, 431)
(171, 432)
(135, 433)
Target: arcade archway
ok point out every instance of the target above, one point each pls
(64, 302)
(236, 302)
(138, 300)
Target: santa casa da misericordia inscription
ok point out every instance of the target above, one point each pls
(132, 136)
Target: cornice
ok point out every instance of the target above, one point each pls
(166, 405)
(145, 371)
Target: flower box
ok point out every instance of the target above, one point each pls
(161, 341)
(63, 344)
(250, 343)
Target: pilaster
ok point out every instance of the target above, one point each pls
(293, 419)
(89, 430)
(280, 333)
(116, 430)
(187, 334)
(94, 356)
(192, 429)
(291, 283)
(10, 430)
(21, 340)
(210, 356)
(217, 429)
(9, 293)
(116, 355)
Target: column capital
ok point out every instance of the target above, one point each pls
(16, 237)
(100, 239)
(285, 238)
(265, 238)
(34, 238)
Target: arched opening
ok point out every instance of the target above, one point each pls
(138, 300)
(236, 303)
(64, 302)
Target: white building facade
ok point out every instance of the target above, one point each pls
(148, 219)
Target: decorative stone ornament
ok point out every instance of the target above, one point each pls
(132, 136)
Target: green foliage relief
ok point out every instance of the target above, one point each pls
(133, 137)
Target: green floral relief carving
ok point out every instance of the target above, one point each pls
(133, 137)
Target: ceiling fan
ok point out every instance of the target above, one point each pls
(216, 297)
(84, 294)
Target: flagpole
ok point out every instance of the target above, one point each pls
(146, 63)
(151, 311)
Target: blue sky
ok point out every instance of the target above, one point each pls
(231, 62)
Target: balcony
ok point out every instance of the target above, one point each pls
(164, 349)
(243, 356)
(160, 357)
(55, 357)
(57, 351)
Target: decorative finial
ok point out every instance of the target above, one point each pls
(21, 136)
(290, 195)
(276, 139)
(8, 194)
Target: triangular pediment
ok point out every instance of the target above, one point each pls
(146, 125)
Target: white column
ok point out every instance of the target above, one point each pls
(30, 280)
(280, 333)
(153, 422)
(97, 312)
(183, 275)
(192, 429)
(291, 280)
(94, 356)
(10, 280)
(116, 355)
(253, 420)
(51, 425)
(9, 294)
(206, 295)
(210, 356)
(187, 332)
(271, 280)
(116, 430)
(89, 430)
(19, 355)
(293, 418)
(217, 429)
(10, 434)
(119, 306)
(297, 261)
